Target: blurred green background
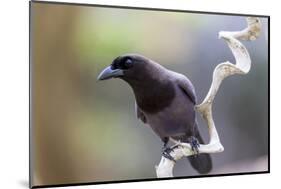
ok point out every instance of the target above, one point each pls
(86, 131)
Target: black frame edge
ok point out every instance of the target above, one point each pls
(152, 179)
(147, 8)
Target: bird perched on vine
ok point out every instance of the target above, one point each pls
(165, 100)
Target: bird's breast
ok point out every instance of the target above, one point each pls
(176, 119)
(155, 98)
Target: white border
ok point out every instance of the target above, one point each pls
(14, 92)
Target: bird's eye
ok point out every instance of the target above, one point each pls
(128, 63)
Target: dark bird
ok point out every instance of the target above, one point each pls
(165, 101)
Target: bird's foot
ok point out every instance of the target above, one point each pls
(166, 153)
(194, 144)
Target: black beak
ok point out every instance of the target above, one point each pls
(108, 73)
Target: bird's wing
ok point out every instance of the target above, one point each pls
(186, 86)
(140, 114)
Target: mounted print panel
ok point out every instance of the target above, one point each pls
(121, 94)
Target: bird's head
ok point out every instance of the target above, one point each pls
(127, 67)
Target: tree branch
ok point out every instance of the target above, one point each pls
(223, 70)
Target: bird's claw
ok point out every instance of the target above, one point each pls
(166, 153)
(194, 145)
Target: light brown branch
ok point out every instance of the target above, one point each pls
(223, 70)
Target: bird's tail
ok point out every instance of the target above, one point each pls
(201, 162)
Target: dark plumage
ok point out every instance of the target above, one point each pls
(165, 101)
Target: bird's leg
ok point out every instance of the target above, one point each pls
(194, 144)
(167, 150)
(165, 140)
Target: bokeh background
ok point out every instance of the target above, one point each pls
(86, 131)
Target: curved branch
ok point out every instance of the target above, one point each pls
(223, 70)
